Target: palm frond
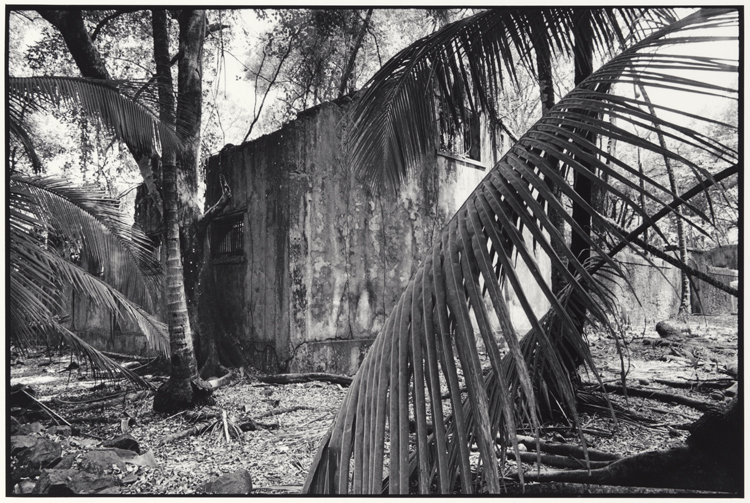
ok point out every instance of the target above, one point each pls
(466, 63)
(121, 252)
(44, 210)
(127, 119)
(476, 255)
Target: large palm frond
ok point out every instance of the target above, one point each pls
(45, 213)
(431, 328)
(106, 101)
(465, 64)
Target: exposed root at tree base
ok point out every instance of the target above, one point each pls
(177, 395)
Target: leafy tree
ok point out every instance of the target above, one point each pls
(432, 324)
(311, 56)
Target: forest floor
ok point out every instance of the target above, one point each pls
(292, 418)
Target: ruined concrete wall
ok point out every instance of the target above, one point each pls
(100, 327)
(325, 259)
(657, 289)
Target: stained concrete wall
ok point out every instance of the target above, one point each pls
(655, 291)
(658, 288)
(324, 259)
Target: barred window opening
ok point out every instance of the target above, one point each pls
(227, 237)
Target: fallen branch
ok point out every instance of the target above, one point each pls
(567, 450)
(590, 431)
(95, 420)
(182, 434)
(276, 412)
(712, 384)
(557, 461)
(309, 377)
(54, 415)
(130, 397)
(661, 396)
(90, 400)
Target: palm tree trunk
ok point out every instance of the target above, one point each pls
(583, 62)
(183, 389)
(684, 308)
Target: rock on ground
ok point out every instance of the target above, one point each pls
(126, 442)
(71, 481)
(238, 482)
(666, 330)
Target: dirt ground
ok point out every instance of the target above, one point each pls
(278, 454)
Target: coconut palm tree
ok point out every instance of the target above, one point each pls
(46, 213)
(431, 330)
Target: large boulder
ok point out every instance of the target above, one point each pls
(238, 482)
(43, 454)
(19, 443)
(102, 461)
(72, 481)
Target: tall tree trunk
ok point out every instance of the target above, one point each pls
(184, 388)
(185, 208)
(347, 75)
(583, 62)
(681, 241)
(547, 97)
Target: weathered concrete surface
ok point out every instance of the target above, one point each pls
(656, 296)
(707, 299)
(324, 258)
(658, 288)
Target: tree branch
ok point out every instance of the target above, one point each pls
(272, 82)
(106, 20)
(216, 209)
(214, 27)
(346, 76)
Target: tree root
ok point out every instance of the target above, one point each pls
(700, 465)
(660, 396)
(567, 450)
(180, 394)
(557, 461)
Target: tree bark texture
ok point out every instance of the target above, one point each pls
(547, 97)
(583, 63)
(69, 23)
(184, 387)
